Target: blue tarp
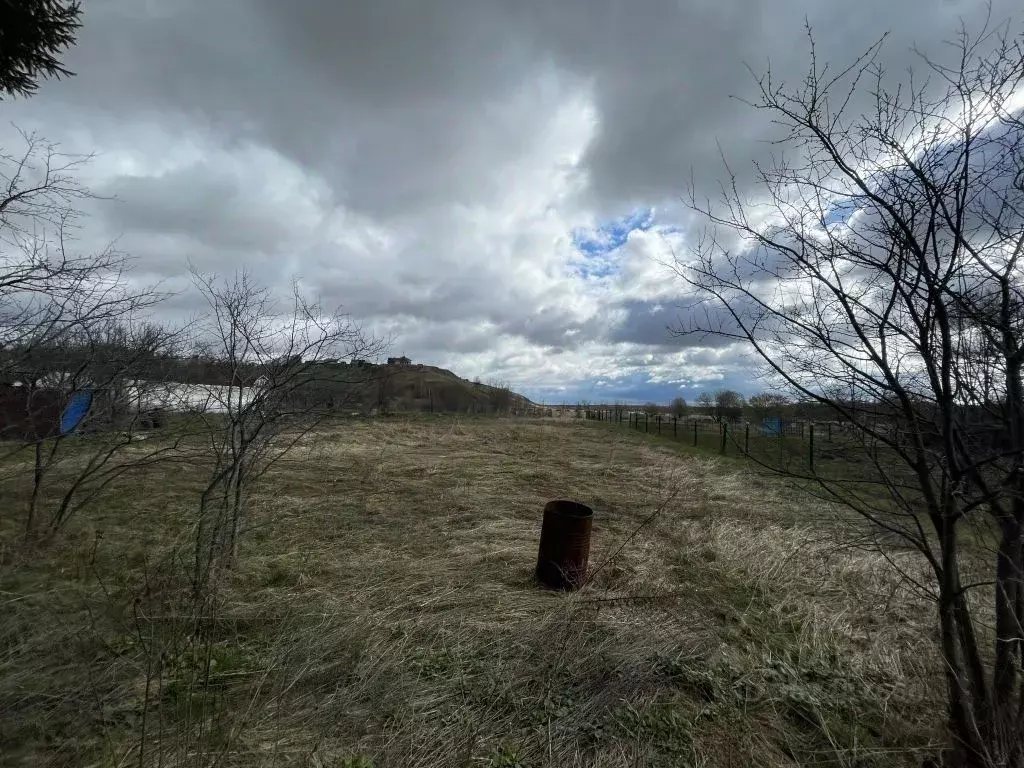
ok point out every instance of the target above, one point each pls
(772, 426)
(75, 411)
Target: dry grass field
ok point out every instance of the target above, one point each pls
(382, 612)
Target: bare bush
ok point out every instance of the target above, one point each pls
(69, 329)
(284, 377)
(500, 395)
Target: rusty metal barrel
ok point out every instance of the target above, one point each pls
(564, 544)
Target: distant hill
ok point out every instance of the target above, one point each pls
(400, 386)
(426, 388)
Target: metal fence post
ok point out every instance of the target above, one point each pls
(725, 434)
(694, 433)
(659, 423)
(810, 451)
(646, 428)
(746, 439)
(675, 425)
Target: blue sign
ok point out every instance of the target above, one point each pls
(76, 410)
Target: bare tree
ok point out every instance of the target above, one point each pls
(384, 400)
(706, 402)
(283, 376)
(679, 407)
(728, 405)
(48, 289)
(69, 328)
(500, 395)
(766, 401)
(882, 280)
(82, 401)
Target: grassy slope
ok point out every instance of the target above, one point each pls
(408, 386)
(383, 608)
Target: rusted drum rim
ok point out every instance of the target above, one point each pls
(567, 508)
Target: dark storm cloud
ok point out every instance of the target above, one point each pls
(647, 323)
(198, 202)
(664, 73)
(399, 102)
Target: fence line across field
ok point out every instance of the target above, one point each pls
(735, 433)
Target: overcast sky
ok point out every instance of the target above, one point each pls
(494, 185)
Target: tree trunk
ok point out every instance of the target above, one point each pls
(37, 486)
(1008, 715)
(966, 731)
(237, 509)
(1008, 622)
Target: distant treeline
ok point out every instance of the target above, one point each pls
(356, 384)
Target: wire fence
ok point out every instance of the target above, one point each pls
(805, 441)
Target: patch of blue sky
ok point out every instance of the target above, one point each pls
(637, 388)
(841, 211)
(595, 267)
(613, 234)
(597, 246)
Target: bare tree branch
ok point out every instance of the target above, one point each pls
(880, 277)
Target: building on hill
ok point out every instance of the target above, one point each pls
(403, 360)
